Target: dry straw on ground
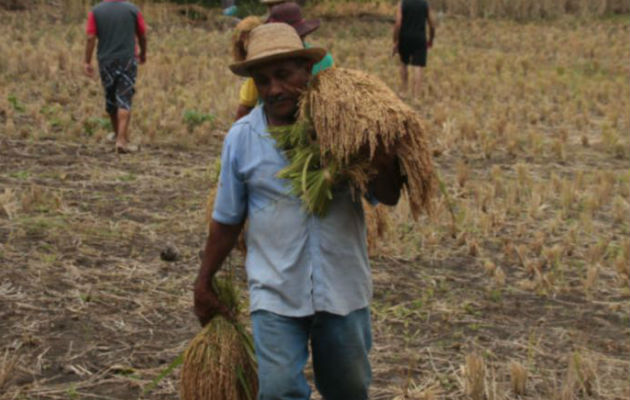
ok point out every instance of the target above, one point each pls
(352, 111)
(518, 378)
(521, 9)
(474, 372)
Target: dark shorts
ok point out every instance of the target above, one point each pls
(118, 78)
(414, 53)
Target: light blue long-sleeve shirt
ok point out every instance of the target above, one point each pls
(297, 264)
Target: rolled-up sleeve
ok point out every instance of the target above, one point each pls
(230, 204)
(141, 26)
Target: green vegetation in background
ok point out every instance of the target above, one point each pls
(193, 118)
(15, 103)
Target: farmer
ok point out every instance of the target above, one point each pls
(309, 277)
(289, 13)
(116, 24)
(410, 40)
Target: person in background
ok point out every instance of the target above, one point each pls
(289, 13)
(116, 24)
(410, 40)
(309, 276)
(240, 37)
(229, 8)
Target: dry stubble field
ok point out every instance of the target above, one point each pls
(520, 292)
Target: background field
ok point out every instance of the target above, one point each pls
(521, 275)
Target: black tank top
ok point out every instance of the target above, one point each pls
(414, 20)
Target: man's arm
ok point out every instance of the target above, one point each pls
(397, 26)
(142, 42)
(141, 33)
(221, 240)
(91, 32)
(90, 44)
(431, 22)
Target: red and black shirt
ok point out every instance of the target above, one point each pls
(115, 23)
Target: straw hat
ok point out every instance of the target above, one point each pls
(274, 41)
(290, 13)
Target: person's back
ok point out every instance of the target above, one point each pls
(410, 39)
(414, 19)
(116, 26)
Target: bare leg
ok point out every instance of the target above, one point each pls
(113, 117)
(404, 78)
(417, 81)
(123, 117)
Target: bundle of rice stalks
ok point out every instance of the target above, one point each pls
(240, 36)
(377, 223)
(345, 118)
(219, 363)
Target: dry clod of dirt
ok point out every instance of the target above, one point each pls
(170, 253)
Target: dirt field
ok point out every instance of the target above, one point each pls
(528, 283)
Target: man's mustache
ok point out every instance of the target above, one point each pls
(275, 99)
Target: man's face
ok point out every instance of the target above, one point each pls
(280, 84)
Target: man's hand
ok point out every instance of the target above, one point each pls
(394, 49)
(429, 44)
(208, 305)
(386, 185)
(143, 58)
(88, 69)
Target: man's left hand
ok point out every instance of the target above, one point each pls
(387, 183)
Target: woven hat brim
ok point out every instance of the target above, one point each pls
(313, 53)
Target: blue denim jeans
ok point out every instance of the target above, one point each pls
(339, 345)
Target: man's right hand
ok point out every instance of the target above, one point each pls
(208, 305)
(88, 69)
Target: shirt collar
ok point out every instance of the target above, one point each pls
(259, 120)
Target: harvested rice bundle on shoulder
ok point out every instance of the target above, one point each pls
(346, 117)
(219, 363)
